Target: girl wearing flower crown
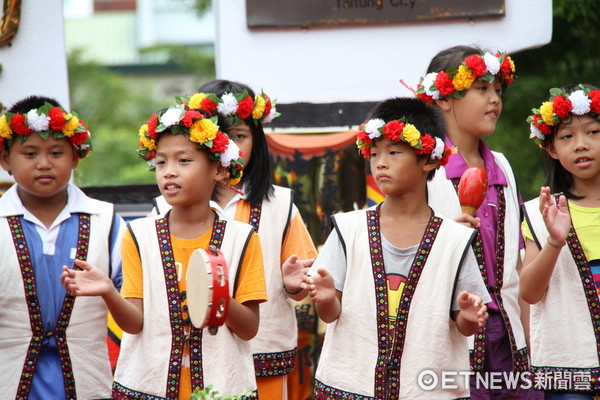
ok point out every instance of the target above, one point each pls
(271, 211)
(162, 354)
(561, 268)
(466, 84)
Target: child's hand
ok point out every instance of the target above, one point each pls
(472, 308)
(320, 286)
(468, 220)
(294, 271)
(90, 281)
(556, 218)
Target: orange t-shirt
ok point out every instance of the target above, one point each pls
(250, 284)
(297, 239)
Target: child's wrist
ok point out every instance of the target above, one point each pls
(554, 243)
(291, 292)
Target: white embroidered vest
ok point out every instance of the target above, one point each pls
(349, 358)
(145, 363)
(86, 332)
(562, 333)
(443, 199)
(274, 346)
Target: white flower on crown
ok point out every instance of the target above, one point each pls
(492, 63)
(438, 152)
(428, 82)
(536, 133)
(228, 106)
(152, 162)
(580, 102)
(171, 117)
(372, 127)
(270, 117)
(231, 153)
(36, 122)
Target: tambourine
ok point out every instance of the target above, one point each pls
(472, 189)
(207, 289)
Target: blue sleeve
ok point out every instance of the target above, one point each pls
(116, 237)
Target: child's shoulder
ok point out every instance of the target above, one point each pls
(82, 202)
(453, 226)
(351, 215)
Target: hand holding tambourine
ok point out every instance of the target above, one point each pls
(207, 289)
(472, 189)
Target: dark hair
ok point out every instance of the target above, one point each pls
(557, 177)
(257, 174)
(32, 102)
(425, 118)
(451, 57)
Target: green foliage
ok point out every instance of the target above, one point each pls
(198, 60)
(203, 5)
(208, 393)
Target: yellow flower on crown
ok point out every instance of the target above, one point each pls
(512, 64)
(72, 122)
(5, 130)
(463, 79)
(547, 113)
(203, 130)
(259, 107)
(411, 135)
(147, 142)
(196, 100)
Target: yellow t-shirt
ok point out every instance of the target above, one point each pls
(251, 284)
(586, 221)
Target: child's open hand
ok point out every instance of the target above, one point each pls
(320, 286)
(294, 271)
(556, 218)
(472, 308)
(89, 281)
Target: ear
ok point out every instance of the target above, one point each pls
(75, 162)
(4, 159)
(444, 104)
(429, 165)
(221, 173)
(552, 151)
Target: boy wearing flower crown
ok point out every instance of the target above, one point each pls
(398, 285)
(52, 345)
(162, 354)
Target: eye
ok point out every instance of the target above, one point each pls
(56, 153)
(29, 154)
(160, 162)
(594, 132)
(564, 136)
(184, 160)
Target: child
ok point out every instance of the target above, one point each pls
(562, 242)
(52, 346)
(162, 354)
(466, 85)
(270, 210)
(398, 285)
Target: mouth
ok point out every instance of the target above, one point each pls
(382, 177)
(171, 188)
(44, 178)
(493, 114)
(583, 161)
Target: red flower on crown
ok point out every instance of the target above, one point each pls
(17, 124)
(444, 84)
(245, 107)
(152, 124)
(393, 130)
(188, 117)
(57, 119)
(219, 143)
(477, 64)
(594, 96)
(427, 144)
(561, 106)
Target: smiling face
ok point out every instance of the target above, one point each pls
(477, 113)
(41, 167)
(396, 167)
(576, 146)
(184, 173)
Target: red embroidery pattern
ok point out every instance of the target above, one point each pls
(387, 369)
(35, 315)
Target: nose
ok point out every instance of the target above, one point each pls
(381, 162)
(43, 162)
(580, 143)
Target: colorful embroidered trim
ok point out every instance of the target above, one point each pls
(274, 364)
(176, 314)
(121, 392)
(255, 213)
(33, 306)
(324, 392)
(387, 370)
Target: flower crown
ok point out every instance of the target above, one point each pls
(455, 82)
(237, 106)
(203, 131)
(45, 121)
(401, 131)
(559, 108)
